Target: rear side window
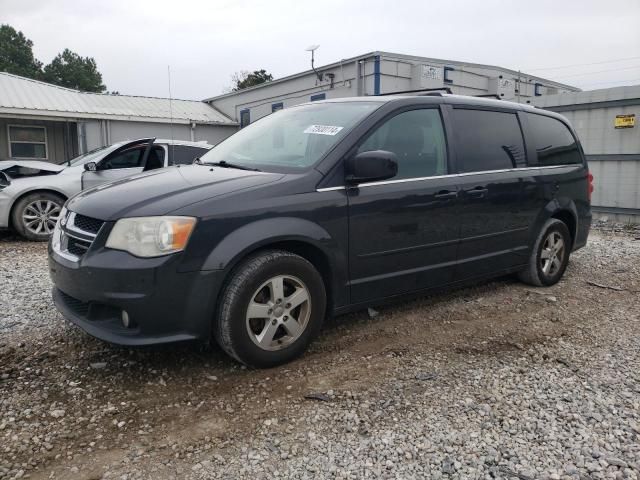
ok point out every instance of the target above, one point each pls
(417, 139)
(184, 155)
(487, 140)
(553, 141)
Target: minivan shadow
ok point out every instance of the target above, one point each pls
(193, 356)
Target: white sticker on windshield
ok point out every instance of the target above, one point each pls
(323, 129)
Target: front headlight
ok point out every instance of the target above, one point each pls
(151, 236)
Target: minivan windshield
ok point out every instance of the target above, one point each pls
(290, 140)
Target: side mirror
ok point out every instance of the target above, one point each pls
(371, 166)
(4, 180)
(91, 166)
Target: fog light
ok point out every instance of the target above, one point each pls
(125, 319)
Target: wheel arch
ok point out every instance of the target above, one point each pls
(301, 237)
(563, 209)
(570, 220)
(19, 197)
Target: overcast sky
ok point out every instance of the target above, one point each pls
(206, 41)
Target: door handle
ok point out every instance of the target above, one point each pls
(477, 192)
(446, 195)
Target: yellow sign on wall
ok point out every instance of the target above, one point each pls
(625, 121)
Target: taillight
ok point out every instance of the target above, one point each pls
(590, 185)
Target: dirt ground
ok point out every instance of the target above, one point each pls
(75, 407)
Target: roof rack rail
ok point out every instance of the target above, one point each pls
(489, 95)
(421, 91)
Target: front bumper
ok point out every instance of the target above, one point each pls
(5, 209)
(164, 305)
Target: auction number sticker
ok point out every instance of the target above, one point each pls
(323, 129)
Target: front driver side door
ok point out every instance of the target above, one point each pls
(123, 162)
(403, 231)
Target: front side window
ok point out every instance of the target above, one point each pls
(293, 139)
(487, 140)
(553, 141)
(130, 158)
(27, 142)
(417, 138)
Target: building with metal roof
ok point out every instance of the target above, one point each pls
(379, 73)
(46, 122)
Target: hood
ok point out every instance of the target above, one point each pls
(159, 192)
(34, 168)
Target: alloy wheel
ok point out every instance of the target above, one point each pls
(278, 312)
(552, 254)
(40, 217)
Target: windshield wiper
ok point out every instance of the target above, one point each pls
(225, 164)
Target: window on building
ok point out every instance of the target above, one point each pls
(27, 142)
(318, 96)
(276, 106)
(487, 140)
(553, 141)
(417, 139)
(245, 118)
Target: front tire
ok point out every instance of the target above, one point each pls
(550, 255)
(35, 215)
(271, 309)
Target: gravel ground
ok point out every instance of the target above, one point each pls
(500, 380)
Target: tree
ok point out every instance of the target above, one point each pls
(71, 70)
(16, 54)
(244, 79)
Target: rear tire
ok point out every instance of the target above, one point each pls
(550, 255)
(271, 309)
(34, 216)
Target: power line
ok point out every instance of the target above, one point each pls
(615, 81)
(580, 64)
(599, 71)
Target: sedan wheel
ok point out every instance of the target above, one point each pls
(40, 217)
(34, 216)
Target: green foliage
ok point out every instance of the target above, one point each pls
(16, 54)
(246, 79)
(71, 70)
(68, 69)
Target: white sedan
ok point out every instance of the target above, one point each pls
(32, 193)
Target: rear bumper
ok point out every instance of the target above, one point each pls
(582, 234)
(163, 304)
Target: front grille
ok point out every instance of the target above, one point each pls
(77, 247)
(77, 233)
(87, 224)
(77, 306)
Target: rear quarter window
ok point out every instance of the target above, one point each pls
(184, 155)
(487, 140)
(553, 141)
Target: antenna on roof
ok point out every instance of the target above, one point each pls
(170, 110)
(312, 49)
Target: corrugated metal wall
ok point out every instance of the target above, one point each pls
(613, 153)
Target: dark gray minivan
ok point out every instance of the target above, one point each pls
(321, 209)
